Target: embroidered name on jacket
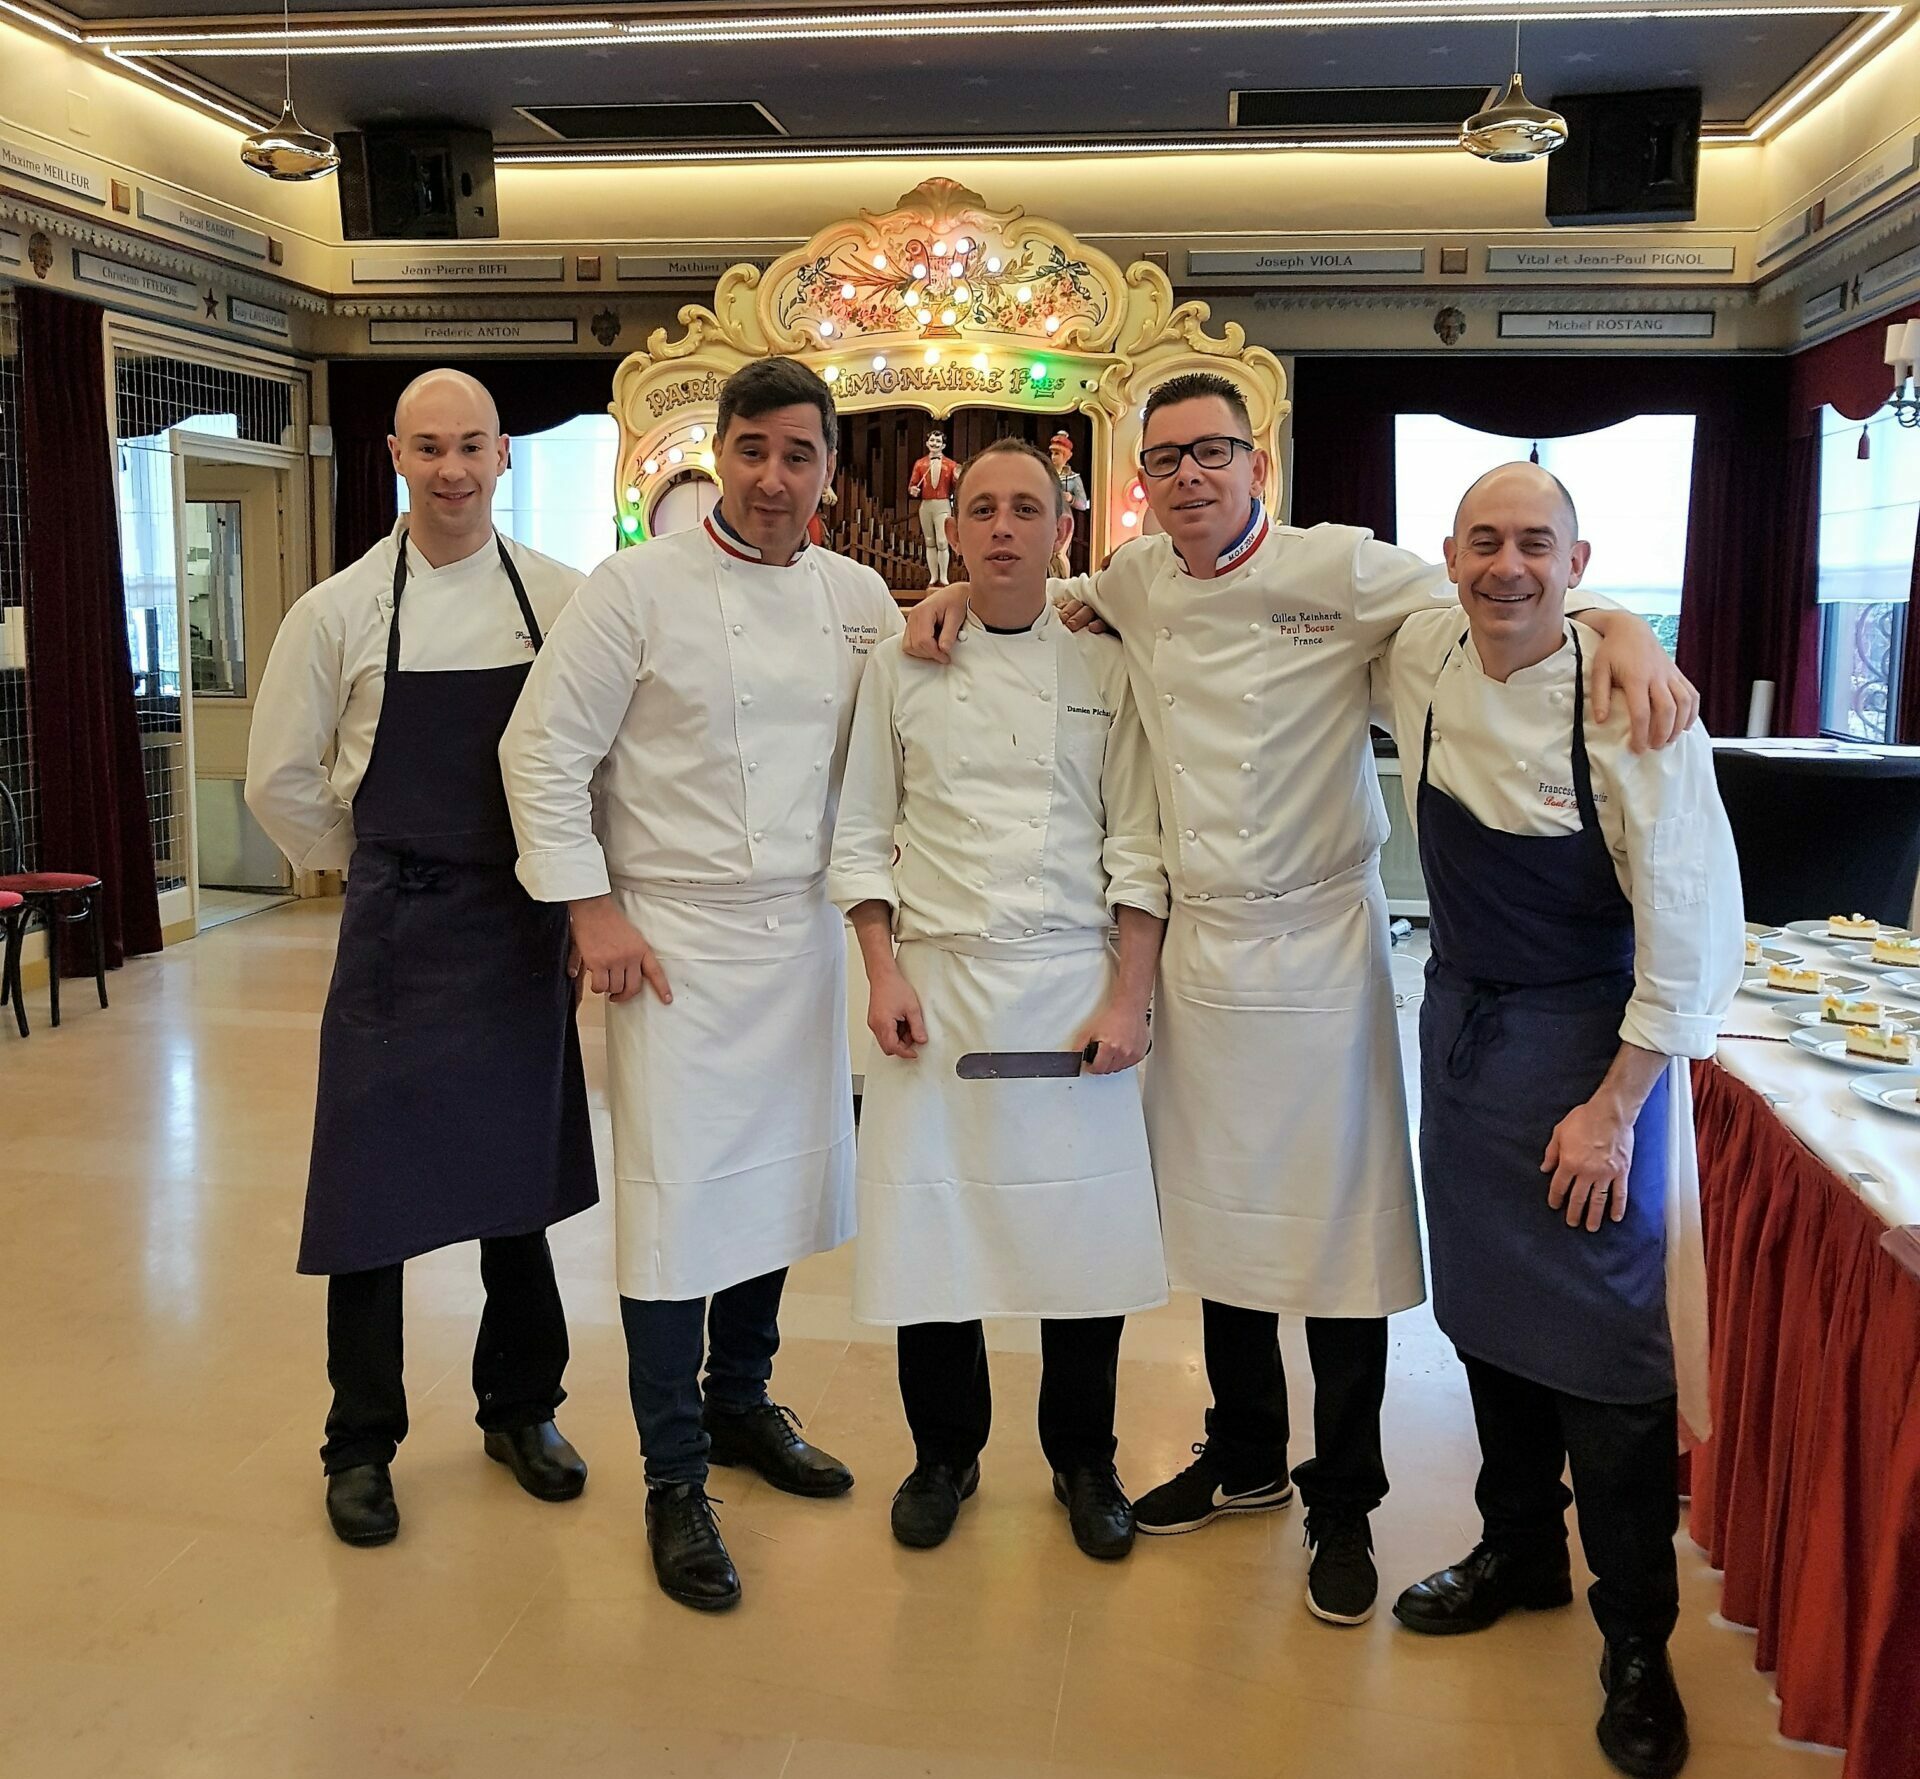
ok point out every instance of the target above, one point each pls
(1088, 710)
(1561, 796)
(860, 637)
(1306, 630)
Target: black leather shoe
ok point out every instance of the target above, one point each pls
(1643, 1730)
(1483, 1586)
(689, 1560)
(360, 1504)
(767, 1439)
(928, 1502)
(542, 1461)
(1097, 1509)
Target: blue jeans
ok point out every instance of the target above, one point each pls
(737, 1331)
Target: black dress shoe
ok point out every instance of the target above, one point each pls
(928, 1502)
(1484, 1585)
(1643, 1730)
(542, 1461)
(767, 1439)
(1097, 1509)
(689, 1560)
(360, 1504)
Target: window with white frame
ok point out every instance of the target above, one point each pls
(557, 495)
(1869, 509)
(1631, 484)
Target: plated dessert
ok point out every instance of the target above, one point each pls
(1899, 950)
(1880, 1043)
(1790, 980)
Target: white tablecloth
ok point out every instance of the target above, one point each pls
(1877, 1152)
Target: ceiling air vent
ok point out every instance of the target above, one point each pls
(729, 122)
(1354, 107)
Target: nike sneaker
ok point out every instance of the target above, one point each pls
(1206, 1490)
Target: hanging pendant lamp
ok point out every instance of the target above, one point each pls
(1514, 128)
(288, 149)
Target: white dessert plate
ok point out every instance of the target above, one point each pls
(1812, 1019)
(1835, 1050)
(1817, 929)
(1899, 1092)
(1754, 982)
(1758, 929)
(1861, 956)
(1780, 954)
(1903, 981)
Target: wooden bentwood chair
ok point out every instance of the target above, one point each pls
(49, 899)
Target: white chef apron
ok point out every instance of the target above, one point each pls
(1686, 1260)
(1003, 1198)
(1276, 1106)
(733, 1105)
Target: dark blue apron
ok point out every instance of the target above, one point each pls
(452, 1102)
(1531, 970)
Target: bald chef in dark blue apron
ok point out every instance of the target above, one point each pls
(452, 1106)
(1587, 938)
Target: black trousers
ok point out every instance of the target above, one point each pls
(1248, 1425)
(949, 1399)
(518, 1359)
(1625, 1487)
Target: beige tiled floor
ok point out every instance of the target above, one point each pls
(172, 1603)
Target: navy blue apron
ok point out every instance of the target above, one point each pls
(452, 1102)
(1531, 970)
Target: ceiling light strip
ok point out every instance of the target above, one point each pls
(945, 150)
(908, 25)
(193, 94)
(1823, 77)
(421, 44)
(40, 21)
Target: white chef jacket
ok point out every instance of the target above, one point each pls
(1504, 753)
(673, 733)
(325, 679)
(1020, 783)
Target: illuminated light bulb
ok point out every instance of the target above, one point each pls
(831, 374)
(941, 250)
(698, 433)
(676, 455)
(949, 316)
(633, 494)
(993, 262)
(1129, 519)
(963, 245)
(980, 361)
(826, 329)
(926, 315)
(933, 355)
(879, 361)
(920, 270)
(630, 524)
(1038, 373)
(963, 292)
(879, 262)
(847, 291)
(1136, 492)
(1024, 294)
(651, 466)
(1053, 324)
(706, 460)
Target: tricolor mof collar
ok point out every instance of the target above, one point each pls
(733, 544)
(1245, 544)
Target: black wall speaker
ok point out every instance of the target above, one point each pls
(1629, 157)
(417, 183)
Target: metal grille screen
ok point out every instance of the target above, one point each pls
(16, 742)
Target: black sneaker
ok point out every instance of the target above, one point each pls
(689, 1559)
(1204, 1491)
(1341, 1581)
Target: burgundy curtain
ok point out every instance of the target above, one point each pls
(533, 395)
(1747, 608)
(86, 736)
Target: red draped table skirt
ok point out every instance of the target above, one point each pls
(1808, 1495)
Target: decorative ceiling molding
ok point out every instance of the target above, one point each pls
(1486, 297)
(140, 251)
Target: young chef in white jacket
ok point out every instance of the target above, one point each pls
(1587, 939)
(451, 1102)
(673, 769)
(1274, 1098)
(1020, 790)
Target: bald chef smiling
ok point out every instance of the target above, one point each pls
(673, 769)
(1275, 1108)
(452, 1103)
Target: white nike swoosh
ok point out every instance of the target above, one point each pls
(1222, 1499)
